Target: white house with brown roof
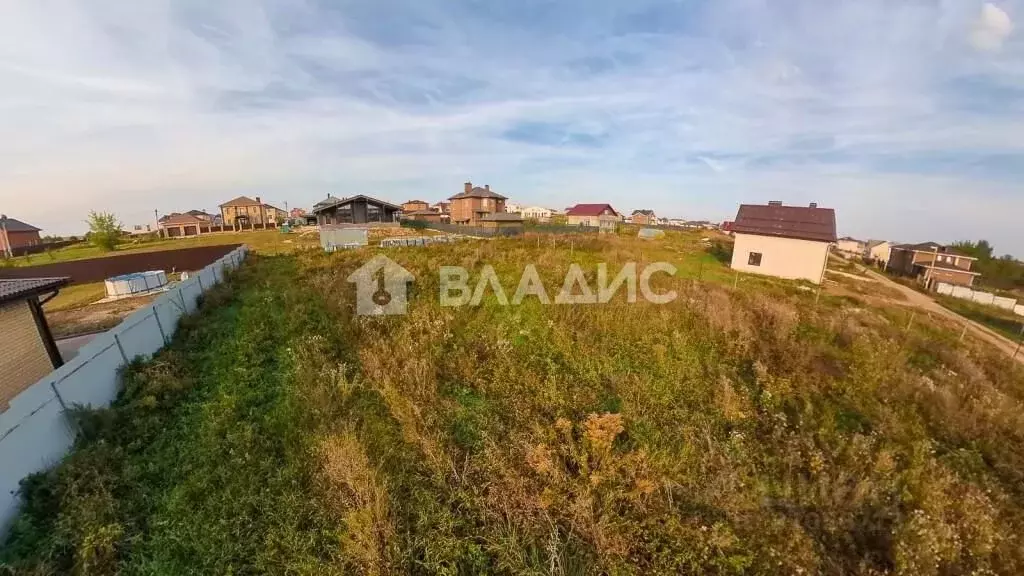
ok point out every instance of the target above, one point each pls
(601, 216)
(784, 241)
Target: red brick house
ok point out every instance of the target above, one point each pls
(16, 234)
(931, 263)
(474, 203)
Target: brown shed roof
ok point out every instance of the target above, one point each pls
(803, 222)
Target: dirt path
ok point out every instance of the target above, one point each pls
(924, 302)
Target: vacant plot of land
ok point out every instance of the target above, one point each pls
(265, 241)
(733, 431)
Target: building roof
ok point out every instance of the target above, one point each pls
(416, 202)
(199, 213)
(851, 239)
(502, 217)
(177, 219)
(15, 225)
(802, 222)
(25, 287)
(423, 213)
(933, 247)
(873, 243)
(589, 210)
(478, 192)
(240, 201)
(331, 202)
(643, 212)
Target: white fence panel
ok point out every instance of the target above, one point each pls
(92, 381)
(1004, 303)
(984, 297)
(963, 292)
(168, 310)
(943, 288)
(37, 440)
(141, 338)
(34, 432)
(189, 292)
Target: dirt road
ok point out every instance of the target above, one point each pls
(924, 302)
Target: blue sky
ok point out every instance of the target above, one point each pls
(907, 117)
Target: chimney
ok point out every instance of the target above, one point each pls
(814, 204)
(258, 200)
(775, 202)
(469, 187)
(487, 187)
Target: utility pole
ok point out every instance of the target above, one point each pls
(7, 239)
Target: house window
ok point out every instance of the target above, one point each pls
(754, 259)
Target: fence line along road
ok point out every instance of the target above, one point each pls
(35, 432)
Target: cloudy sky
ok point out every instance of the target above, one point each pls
(906, 116)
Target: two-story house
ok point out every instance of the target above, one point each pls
(931, 263)
(410, 206)
(644, 218)
(245, 212)
(474, 203)
(601, 216)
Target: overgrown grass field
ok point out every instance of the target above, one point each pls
(743, 428)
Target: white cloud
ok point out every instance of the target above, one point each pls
(991, 29)
(173, 105)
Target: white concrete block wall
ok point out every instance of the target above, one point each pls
(984, 297)
(1004, 303)
(34, 432)
(943, 288)
(963, 292)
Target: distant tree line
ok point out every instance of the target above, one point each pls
(1004, 272)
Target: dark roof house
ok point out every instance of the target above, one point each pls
(358, 209)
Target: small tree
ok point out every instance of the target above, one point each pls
(104, 230)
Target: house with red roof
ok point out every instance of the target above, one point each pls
(600, 216)
(783, 241)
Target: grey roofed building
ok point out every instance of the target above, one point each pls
(358, 209)
(29, 351)
(24, 287)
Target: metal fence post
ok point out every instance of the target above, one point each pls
(120, 348)
(160, 325)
